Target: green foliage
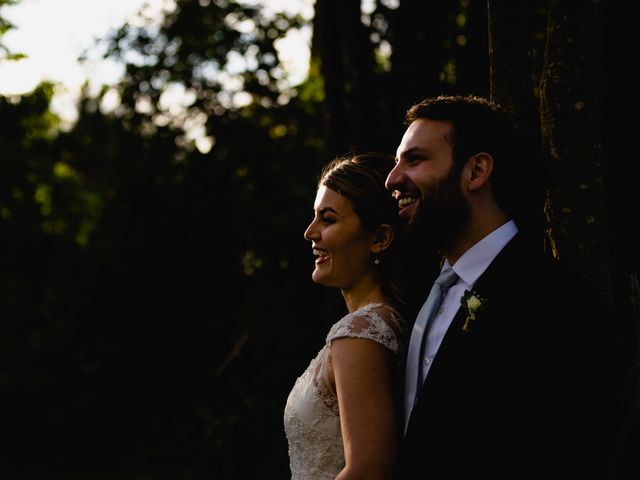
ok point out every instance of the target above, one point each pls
(213, 49)
(155, 299)
(5, 26)
(133, 263)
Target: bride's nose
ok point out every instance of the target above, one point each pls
(311, 232)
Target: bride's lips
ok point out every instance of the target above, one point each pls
(322, 254)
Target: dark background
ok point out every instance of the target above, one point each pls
(156, 304)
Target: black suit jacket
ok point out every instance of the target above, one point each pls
(525, 392)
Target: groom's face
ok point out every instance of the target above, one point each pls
(426, 183)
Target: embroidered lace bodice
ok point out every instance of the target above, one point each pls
(311, 416)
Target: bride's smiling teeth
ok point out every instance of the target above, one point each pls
(320, 252)
(406, 201)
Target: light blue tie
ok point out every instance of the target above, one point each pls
(413, 378)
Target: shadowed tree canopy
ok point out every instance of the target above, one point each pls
(155, 295)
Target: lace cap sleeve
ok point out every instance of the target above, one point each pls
(376, 322)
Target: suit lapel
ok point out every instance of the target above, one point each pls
(459, 347)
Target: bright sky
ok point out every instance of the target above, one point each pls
(53, 33)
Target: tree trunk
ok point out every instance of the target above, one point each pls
(510, 64)
(511, 85)
(472, 56)
(342, 48)
(326, 50)
(586, 202)
(422, 35)
(571, 132)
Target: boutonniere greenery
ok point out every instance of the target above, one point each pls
(472, 304)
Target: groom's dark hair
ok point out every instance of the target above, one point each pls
(479, 125)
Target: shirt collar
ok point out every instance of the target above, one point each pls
(475, 261)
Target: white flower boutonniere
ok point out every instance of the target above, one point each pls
(472, 304)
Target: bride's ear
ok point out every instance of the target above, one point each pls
(383, 239)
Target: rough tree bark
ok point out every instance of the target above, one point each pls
(510, 64)
(571, 112)
(587, 203)
(511, 85)
(586, 211)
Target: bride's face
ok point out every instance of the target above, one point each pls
(341, 244)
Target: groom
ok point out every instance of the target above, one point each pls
(512, 375)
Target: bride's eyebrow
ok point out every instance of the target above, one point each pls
(324, 210)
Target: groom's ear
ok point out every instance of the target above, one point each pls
(384, 237)
(478, 171)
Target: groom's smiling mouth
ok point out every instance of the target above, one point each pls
(405, 200)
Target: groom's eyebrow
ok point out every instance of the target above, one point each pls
(411, 152)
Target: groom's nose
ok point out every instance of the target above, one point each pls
(395, 178)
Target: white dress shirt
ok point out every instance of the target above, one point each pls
(469, 267)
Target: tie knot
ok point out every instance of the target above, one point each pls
(447, 278)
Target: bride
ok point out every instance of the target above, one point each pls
(341, 417)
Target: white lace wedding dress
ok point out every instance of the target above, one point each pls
(311, 416)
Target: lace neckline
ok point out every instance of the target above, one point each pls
(372, 305)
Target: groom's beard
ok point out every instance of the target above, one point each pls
(442, 216)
